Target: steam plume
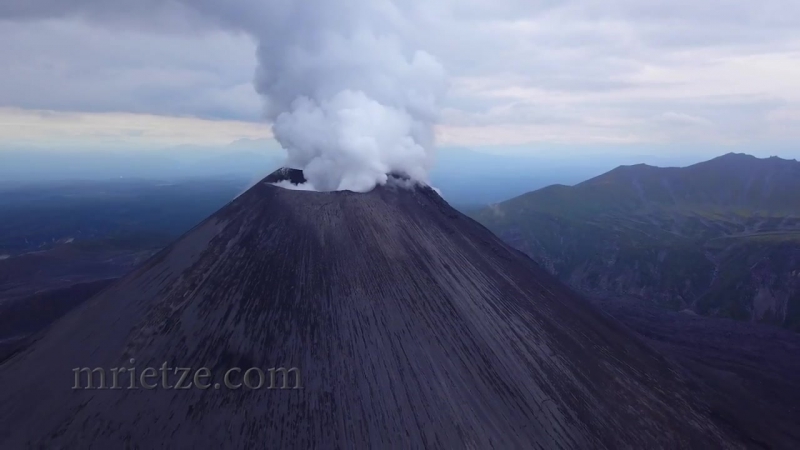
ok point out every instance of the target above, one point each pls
(350, 99)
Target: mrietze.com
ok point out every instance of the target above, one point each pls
(166, 377)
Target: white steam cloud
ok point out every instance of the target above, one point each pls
(350, 99)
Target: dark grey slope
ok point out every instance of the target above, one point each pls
(413, 327)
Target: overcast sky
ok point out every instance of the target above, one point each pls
(678, 74)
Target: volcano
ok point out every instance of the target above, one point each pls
(409, 326)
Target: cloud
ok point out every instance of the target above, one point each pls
(567, 71)
(286, 184)
(21, 127)
(684, 119)
(74, 66)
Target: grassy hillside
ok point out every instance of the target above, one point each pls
(721, 237)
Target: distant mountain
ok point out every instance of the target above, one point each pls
(472, 179)
(721, 237)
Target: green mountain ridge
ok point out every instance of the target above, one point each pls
(720, 238)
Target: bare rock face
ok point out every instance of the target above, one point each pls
(294, 176)
(410, 325)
